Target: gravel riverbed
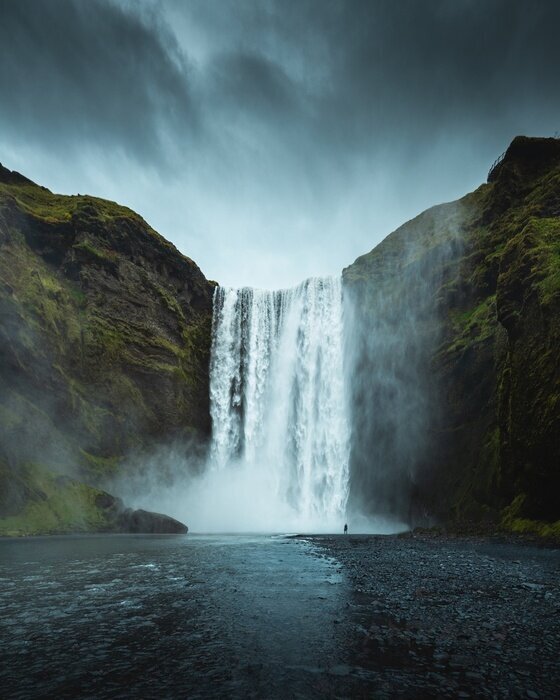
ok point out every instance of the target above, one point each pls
(451, 617)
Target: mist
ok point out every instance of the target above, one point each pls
(394, 326)
(236, 500)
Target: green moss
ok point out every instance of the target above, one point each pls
(103, 333)
(195, 352)
(547, 263)
(513, 521)
(126, 392)
(56, 210)
(41, 203)
(99, 467)
(57, 505)
(473, 326)
(78, 297)
(45, 301)
(101, 254)
(20, 416)
(478, 486)
(92, 416)
(522, 526)
(170, 302)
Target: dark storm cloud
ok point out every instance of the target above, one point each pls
(393, 70)
(386, 71)
(78, 71)
(247, 129)
(411, 68)
(254, 84)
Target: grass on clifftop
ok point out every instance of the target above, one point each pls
(58, 208)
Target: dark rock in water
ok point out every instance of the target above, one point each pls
(143, 521)
(106, 500)
(123, 519)
(59, 504)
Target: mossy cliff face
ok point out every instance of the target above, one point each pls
(34, 501)
(474, 291)
(104, 334)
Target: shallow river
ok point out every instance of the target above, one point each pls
(171, 616)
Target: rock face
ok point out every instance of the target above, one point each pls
(50, 504)
(142, 521)
(457, 323)
(104, 336)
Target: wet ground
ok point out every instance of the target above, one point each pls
(451, 617)
(170, 617)
(272, 617)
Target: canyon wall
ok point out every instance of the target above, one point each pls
(456, 355)
(104, 342)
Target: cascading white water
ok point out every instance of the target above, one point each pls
(278, 401)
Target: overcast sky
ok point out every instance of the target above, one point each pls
(273, 140)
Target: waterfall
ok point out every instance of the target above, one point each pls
(278, 399)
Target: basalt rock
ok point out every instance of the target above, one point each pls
(127, 520)
(105, 331)
(143, 521)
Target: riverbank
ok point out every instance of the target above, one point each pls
(438, 616)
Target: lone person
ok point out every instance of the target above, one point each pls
(345, 528)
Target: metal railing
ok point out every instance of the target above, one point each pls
(495, 164)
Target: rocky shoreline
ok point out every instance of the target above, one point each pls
(450, 616)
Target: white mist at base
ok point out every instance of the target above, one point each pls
(280, 429)
(228, 502)
(225, 503)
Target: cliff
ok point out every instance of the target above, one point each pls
(104, 345)
(457, 337)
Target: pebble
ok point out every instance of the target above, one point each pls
(469, 627)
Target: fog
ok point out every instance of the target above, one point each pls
(394, 327)
(272, 141)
